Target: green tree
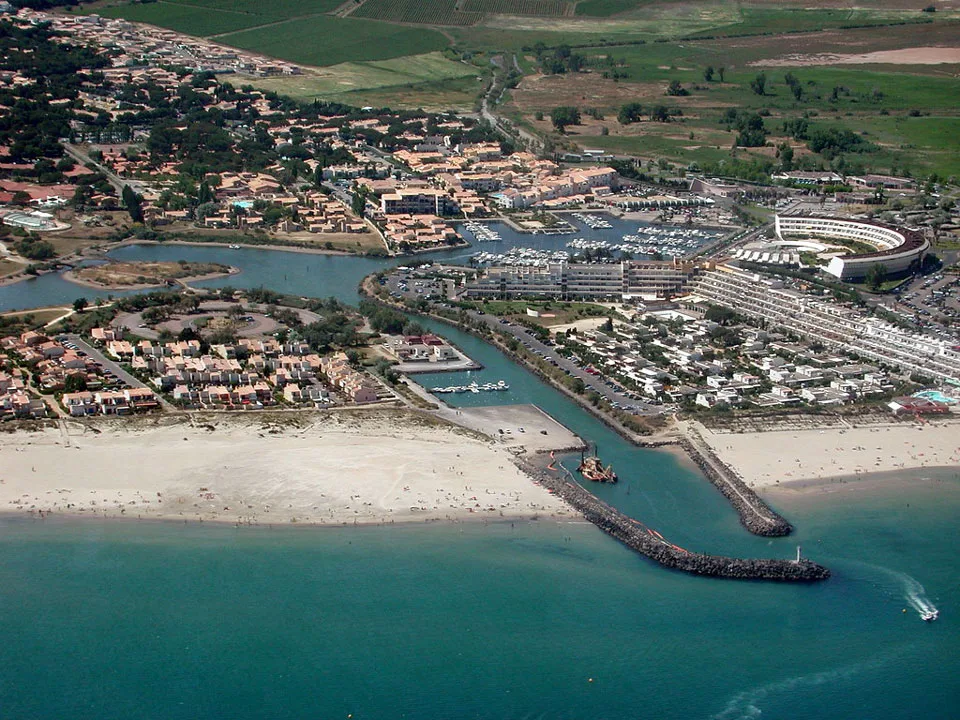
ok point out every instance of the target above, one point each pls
(358, 201)
(660, 113)
(205, 194)
(675, 89)
(563, 116)
(80, 304)
(629, 113)
(759, 84)
(721, 71)
(785, 153)
(132, 202)
(876, 276)
(75, 382)
(708, 73)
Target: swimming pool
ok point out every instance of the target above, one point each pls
(936, 396)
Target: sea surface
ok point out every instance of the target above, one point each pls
(501, 620)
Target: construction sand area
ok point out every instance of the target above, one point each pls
(903, 56)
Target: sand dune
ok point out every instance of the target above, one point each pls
(332, 468)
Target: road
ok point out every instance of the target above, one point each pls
(592, 382)
(113, 367)
(533, 142)
(118, 183)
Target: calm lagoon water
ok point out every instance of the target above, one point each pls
(137, 620)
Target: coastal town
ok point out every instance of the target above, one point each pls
(714, 316)
(471, 358)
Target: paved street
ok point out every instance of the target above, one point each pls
(114, 367)
(613, 393)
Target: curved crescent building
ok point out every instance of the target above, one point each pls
(898, 249)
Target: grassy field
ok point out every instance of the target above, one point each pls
(325, 40)
(456, 94)
(9, 267)
(186, 19)
(347, 81)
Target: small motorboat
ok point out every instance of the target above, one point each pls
(929, 615)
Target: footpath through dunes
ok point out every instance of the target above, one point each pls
(636, 536)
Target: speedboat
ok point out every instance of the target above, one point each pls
(929, 615)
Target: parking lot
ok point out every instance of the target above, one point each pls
(400, 285)
(931, 302)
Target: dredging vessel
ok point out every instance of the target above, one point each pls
(592, 469)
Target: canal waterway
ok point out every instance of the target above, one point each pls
(477, 621)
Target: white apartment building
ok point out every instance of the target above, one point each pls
(624, 280)
(838, 328)
(898, 249)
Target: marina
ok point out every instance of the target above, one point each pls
(482, 232)
(473, 387)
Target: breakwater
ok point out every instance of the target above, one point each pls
(650, 543)
(755, 515)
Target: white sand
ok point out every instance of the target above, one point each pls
(765, 458)
(371, 467)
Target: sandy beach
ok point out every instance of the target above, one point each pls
(767, 459)
(375, 466)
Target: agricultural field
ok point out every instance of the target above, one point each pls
(214, 17)
(355, 82)
(604, 8)
(324, 40)
(276, 9)
(905, 110)
(189, 20)
(547, 8)
(423, 12)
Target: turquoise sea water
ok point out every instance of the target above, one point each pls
(137, 620)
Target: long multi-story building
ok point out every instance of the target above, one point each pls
(421, 201)
(624, 280)
(898, 249)
(837, 327)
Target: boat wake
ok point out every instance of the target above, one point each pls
(746, 705)
(913, 592)
(916, 596)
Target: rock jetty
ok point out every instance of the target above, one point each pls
(636, 536)
(755, 515)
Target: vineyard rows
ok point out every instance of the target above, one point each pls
(423, 12)
(543, 8)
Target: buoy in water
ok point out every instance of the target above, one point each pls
(590, 680)
(904, 610)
